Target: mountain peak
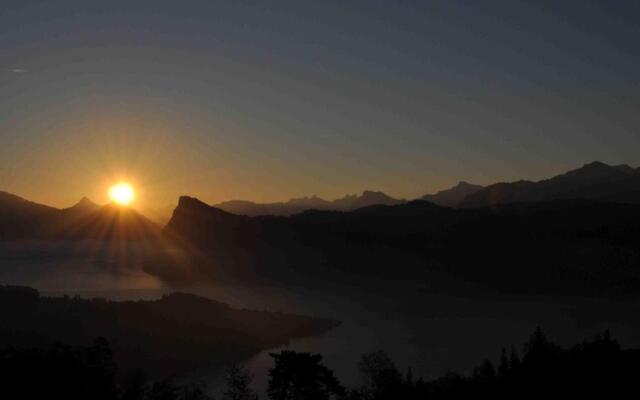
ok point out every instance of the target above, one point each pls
(367, 194)
(85, 202)
(193, 205)
(595, 170)
(595, 164)
(465, 184)
(592, 181)
(190, 202)
(599, 165)
(453, 196)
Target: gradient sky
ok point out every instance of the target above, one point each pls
(267, 100)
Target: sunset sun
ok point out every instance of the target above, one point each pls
(122, 193)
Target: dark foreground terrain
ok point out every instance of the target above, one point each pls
(176, 333)
(596, 368)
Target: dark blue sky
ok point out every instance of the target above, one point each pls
(272, 99)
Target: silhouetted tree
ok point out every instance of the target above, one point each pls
(596, 368)
(381, 379)
(193, 392)
(485, 373)
(238, 384)
(165, 389)
(302, 376)
(138, 387)
(503, 366)
(59, 372)
(135, 386)
(514, 358)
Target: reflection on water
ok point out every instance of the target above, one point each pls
(75, 266)
(431, 333)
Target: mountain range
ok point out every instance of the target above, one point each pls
(575, 232)
(593, 181)
(20, 218)
(23, 219)
(557, 247)
(454, 196)
(298, 205)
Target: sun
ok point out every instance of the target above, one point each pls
(122, 193)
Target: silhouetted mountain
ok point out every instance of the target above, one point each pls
(109, 222)
(177, 332)
(243, 207)
(368, 198)
(452, 197)
(81, 209)
(193, 218)
(19, 218)
(22, 219)
(298, 205)
(594, 181)
(15, 208)
(415, 208)
(555, 247)
(85, 204)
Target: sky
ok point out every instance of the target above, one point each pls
(267, 100)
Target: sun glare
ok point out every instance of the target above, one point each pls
(122, 193)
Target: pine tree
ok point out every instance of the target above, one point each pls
(238, 384)
(503, 367)
(514, 359)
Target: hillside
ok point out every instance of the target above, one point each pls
(175, 333)
(22, 219)
(565, 247)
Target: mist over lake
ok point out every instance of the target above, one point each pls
(432, 333)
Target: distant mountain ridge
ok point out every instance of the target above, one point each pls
(452, 197)
(21, 218)
(593, 181)
(298, 205)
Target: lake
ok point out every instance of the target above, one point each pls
(429, 331)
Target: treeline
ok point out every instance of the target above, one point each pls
(80, 373)
(540, 369)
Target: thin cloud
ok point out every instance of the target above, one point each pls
(18, 70)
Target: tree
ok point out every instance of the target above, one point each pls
(381, 378)
(514, 359)
(301, 376)
(503, 367)
(194, 392)
(71, 373)
(165, 389)
(238, 384)
(135, 387)
(485, 373)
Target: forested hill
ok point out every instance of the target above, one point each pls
(177, 332)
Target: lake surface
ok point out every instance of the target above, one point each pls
(430, 332)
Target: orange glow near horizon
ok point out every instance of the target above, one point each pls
(122, 194)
